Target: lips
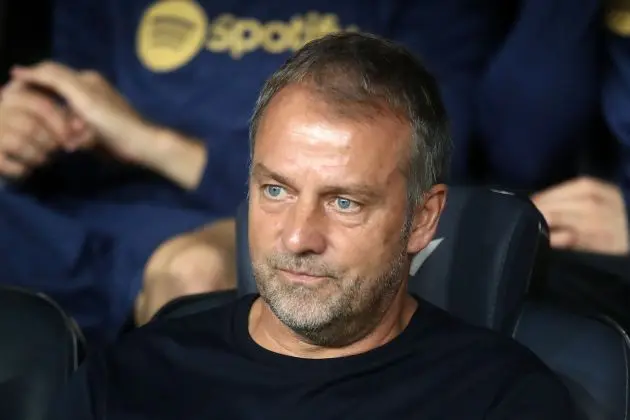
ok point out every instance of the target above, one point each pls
(301, 276)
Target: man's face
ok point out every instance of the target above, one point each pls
(329, 221)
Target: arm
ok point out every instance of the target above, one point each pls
(538, 101)
(179, 158)
(83, 40)
(480, 57)
(535, 396)
(126, 135)
(32, 125)
(190, 164)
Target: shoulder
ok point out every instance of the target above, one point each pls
(537, 394)
(518, 383)
(204, 321)
(143, 357)
(175, 340)
(476, 344)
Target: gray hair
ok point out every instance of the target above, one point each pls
(362, 75)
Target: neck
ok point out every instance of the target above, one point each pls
(270, 333)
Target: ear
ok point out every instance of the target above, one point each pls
(426, 217)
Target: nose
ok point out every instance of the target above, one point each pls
(304, 228)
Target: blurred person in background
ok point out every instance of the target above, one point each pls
(125, 156)
(522, 82)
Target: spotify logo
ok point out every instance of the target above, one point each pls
(618, 21)
(170, 34)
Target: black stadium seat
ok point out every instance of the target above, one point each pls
(590, 354)
(40, 347)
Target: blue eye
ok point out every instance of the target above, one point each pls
(273, 191)
(344, 204)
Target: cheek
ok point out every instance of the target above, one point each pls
(263, 230)
(368, 250)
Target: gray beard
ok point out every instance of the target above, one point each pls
(342, 317)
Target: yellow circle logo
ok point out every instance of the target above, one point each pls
(170, 34)
(618, 21)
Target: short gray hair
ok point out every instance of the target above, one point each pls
(361, 75)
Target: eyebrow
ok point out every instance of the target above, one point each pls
(260, 171)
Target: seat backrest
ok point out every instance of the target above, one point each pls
(591, 355)
(40, 347)
(488, 248)
(245, 278)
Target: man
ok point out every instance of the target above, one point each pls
(136, 133)
(538, 127)
(350, 143)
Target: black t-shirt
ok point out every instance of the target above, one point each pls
(206, 366)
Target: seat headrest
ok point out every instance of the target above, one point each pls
(488, 246)
(245, 278)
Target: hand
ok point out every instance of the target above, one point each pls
(91, 97)
(585, 214)
(32, 126)
(119, 127)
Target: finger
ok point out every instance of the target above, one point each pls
(58, 78)
(81, 140)
(564, 214)
(564, 219)
(47, 111)
(12, 169)
(574, 189)
(77, 124)
(81, 133)
(13, 85)
(24, 148)
(567, 189)
(44, 142)
(23, 152)
(563, 239)
(90, 76)
(19, 128)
